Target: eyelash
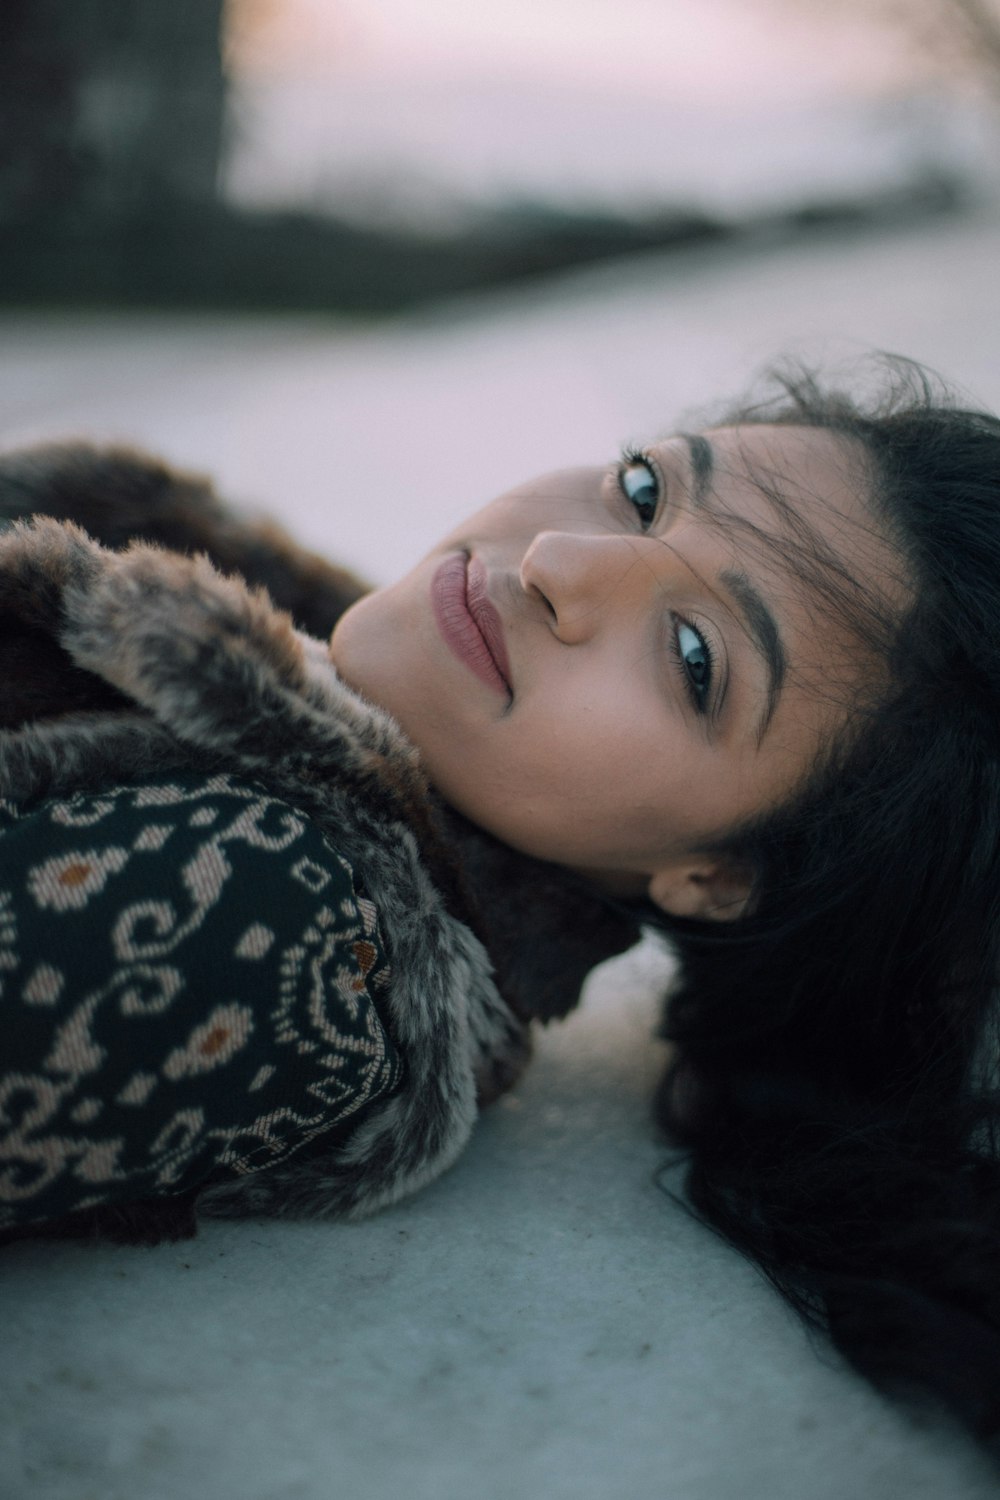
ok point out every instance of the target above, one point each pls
(632, 457)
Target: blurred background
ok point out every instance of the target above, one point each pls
(369, 154)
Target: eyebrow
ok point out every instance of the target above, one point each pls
(702, 467)
(765, 636)
(761, 625)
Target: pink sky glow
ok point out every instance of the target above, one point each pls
(696, 51)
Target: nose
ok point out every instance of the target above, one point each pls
(585, 580)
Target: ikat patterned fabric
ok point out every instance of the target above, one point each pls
(191, 988)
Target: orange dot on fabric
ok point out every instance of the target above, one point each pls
(75, 874)
(215, 1041)
(365, 954)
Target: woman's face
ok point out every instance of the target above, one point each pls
(603, 671)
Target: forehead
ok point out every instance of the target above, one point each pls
(812, 491)
(822, 476)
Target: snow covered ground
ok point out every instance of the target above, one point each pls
(432, 150)
(544, 1320)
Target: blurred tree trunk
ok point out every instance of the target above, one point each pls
(108, 108)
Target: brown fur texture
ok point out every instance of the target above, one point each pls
(118, 663)
(119, 495)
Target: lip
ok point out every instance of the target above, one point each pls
(469, 624)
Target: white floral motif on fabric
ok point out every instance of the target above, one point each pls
(181, 1006)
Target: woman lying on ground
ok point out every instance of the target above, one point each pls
(743, 685)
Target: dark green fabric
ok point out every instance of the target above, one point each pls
(191, 987)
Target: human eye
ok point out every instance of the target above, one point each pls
(695, 662)
(640, 485)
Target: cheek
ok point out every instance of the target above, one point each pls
(569, 795)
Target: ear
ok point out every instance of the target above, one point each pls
(712, 890)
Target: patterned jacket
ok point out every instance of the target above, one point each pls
(143, 679)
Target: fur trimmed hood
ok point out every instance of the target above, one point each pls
(127, 663)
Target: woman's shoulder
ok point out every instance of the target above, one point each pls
(194, 986)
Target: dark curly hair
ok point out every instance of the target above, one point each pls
(835, 1079)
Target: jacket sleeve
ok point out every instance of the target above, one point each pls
(192, 989)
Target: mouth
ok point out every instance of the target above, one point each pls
(469, 624)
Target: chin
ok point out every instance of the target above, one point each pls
(354, 649)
